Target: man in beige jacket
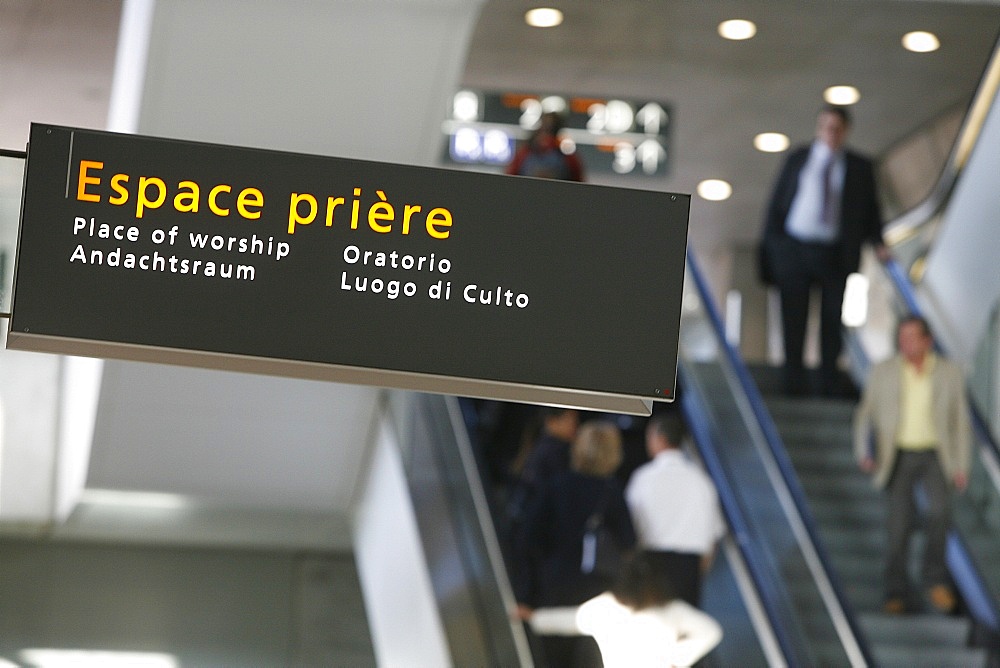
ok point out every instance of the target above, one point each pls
(915, 405)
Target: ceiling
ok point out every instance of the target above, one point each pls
(722, 93)
(57, 61)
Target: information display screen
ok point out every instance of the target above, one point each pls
(628, 137)
(146, 248)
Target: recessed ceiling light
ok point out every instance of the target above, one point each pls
(920, 41)
(543, 17)
(841, 95)
(714, 190)
(737, 29)
(465, 106)
(771, 142)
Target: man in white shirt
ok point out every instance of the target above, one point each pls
(675, 509)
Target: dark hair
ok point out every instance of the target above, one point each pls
(554, 120)
(669, 425)
(641, 585)
(531, 432)
(546, 412)
(913, 318)
(837, 110)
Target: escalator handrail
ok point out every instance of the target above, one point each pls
(776, 446)
(908, 223)
(980, 601)
(905, 290)
(738, 526)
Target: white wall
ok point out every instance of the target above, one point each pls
(366, 79)
(29, 398)
(399, 597)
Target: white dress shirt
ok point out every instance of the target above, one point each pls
(674, 505)
(806, 220)
(675, 634)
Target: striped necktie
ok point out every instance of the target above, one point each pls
(828, 194)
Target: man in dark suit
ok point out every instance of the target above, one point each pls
(823, 208)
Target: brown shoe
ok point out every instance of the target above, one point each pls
(942, 598)
(894, 606)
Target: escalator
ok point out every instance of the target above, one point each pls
(850, 516)
(771, 587)
(797, 583)
(803, 452)
(944, 252)
(809, 618)
(799, 452)
(842, 510)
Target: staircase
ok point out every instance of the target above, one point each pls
(849, 514)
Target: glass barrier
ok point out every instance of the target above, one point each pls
(460, 545)
(984, 380)
(911, 234)
(11, 179)
(809, 620)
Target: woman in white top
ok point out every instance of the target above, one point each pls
(637, 623)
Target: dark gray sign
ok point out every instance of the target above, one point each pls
(364, 272)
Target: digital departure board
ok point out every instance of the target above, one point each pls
(628, 137)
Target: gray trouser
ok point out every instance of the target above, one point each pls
(912, 469)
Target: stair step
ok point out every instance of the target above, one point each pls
(835, 513)
(839, 461)
(917, 630)
(854, 543)
(849, 488)
(901, 656)
(834, 411)
(850, 517)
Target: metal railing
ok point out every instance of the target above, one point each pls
(797, 538)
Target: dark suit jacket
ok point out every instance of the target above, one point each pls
(860, 213)
(554, 531)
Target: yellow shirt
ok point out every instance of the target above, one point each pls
(916, 426)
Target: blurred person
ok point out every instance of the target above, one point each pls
(639, 622)
(675, 509)
(542, 156)
(823, 208)
(544, 453)
(549, 452)
(554, 530)
(501, 426)
(915, 405)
